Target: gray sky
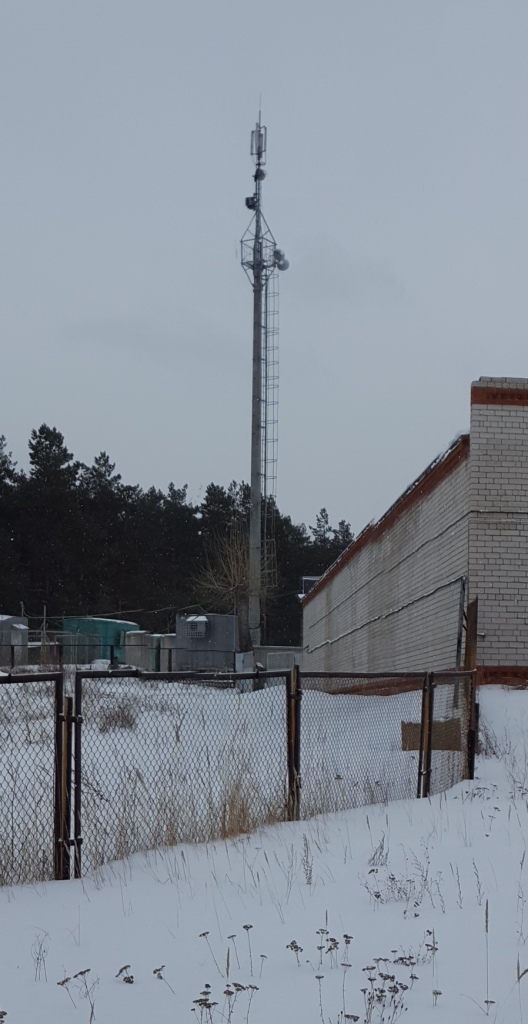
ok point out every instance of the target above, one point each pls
(397, 184)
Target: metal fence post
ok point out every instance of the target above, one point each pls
(429, 735)
(293, 712)
(258, 682)
(63, 763)
(472, 736)
(67, 784)
(423, 735)
(297, 749)
(426, 736)
(77, 766)
(59, 756)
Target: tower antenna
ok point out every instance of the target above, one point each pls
(261, 260)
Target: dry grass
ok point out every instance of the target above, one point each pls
(488, 743)
(144, 818)
(120, 716)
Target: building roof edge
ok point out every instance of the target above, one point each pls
(428, 481)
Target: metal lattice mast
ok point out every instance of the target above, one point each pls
(270, 426)
(261, 259)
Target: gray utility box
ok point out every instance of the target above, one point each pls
(201, 643)
(13, 641)
(278, 659)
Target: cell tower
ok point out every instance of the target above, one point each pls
(261, 260)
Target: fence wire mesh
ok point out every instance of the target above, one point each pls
(27, 779)
(168, 760)
(140, 760)
(450, 722)
(52, 653)
(359, 740)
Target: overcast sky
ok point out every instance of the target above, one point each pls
(397, 185)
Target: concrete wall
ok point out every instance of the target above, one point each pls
(393, 600)
(498, 549)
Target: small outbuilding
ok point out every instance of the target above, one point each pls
(13, 641)
(86, 639)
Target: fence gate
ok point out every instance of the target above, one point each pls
(166, 758)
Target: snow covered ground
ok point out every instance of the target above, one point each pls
(413, 908)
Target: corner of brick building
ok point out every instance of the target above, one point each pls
(498, 526)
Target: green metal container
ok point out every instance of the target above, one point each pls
(85, 639)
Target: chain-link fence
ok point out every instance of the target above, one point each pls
(52, 652)
(177, 759)
(95, 766)
(28, 775)
(136, 649)
(447, 751)
(359, 740)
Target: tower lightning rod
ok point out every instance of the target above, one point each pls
(260, 258)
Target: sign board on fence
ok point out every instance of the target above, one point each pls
(445, 735)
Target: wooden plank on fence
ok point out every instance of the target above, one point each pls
(410, 735)
(446, 735)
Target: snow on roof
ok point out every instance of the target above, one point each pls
(102, 618)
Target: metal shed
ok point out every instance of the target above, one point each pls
(85, 638)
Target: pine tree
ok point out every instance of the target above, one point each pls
(49, 523)
(12, 577)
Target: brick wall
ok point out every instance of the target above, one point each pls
(498, 535)
(393, 600)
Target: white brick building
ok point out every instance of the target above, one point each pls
(395, 599)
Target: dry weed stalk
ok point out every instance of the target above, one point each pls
(295, 948)
(232, 939)
(124, 973)
(205, 935)
(307, 861)
(520, 975)
(208, 1007)
(158, 973)
(488, 1002)
(64, 984)
(39, 952)
(247, 929)
(86, 990)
